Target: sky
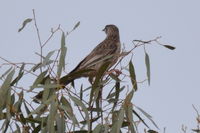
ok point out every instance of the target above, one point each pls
(174, 74)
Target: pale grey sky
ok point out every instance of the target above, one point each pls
(174, 74)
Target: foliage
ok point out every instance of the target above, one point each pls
(72, 108)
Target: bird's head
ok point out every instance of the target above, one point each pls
(111, 30)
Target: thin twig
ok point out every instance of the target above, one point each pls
(17, 66)
(38, 35)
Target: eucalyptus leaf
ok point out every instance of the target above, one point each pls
(147, 62)
(132, 75)
(26, 21)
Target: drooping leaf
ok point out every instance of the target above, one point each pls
(26, 21)
(5, 87)
(38, 80)
(77, 24)
(20, 74)
(66, 106)
(132, 75)
(18, 128)
(152, 131)
(52, 117)
(6, 72)
(80, 103)
(60, 123)
(147, 62)
(98, 129)
(134, 112)
(118, 124)
(61, 63)
(148, 116)
(169, 47)
(96, 85)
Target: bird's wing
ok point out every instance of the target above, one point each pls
(103, 50)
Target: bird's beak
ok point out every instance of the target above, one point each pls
(104, 30)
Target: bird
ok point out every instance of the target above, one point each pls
(106, 51)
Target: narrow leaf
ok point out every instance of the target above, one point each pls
(61, 65)
(169, 47)
(77, 24)
(79, 103)
(38, 79)
(118, 124)
(147, 62)
(4, 74)
(148, 116)
(28, 20)
(132, 75)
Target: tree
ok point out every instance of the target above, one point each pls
(72, 108)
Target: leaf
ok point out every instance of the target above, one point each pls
(134, 112)
(38, 80)
(77, 24)
(79, 103)
(52, 116)
(147, 62)
(5, 87)
(20, 74)
(61, 65)
(132, 75)
(152, 131)
(118, 124)
(4, 74)
(95, 86)
(60, 122)
(148, 116)
(28, 20)
(169, 47)
(66, 106)
(98, 129)
(47, 60)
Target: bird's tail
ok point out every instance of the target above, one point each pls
(64, 81)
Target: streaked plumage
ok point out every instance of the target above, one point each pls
(107, 51)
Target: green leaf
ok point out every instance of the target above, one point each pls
(148, 116)
(97, 83)
(132, 75)
(77, 24)
(61, 65)
(80, 103)
(18, 128)
(118, 124)
(152, 131)
(98, 129)
(38, 80)
(28, 20)
(4, 74)
(169, 47)
(52, 117)
(4, 89)
(134, 112)
(60, 122)
(147, 62)
(66, 106)
(20, 74)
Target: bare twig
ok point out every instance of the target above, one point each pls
(38, 35)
